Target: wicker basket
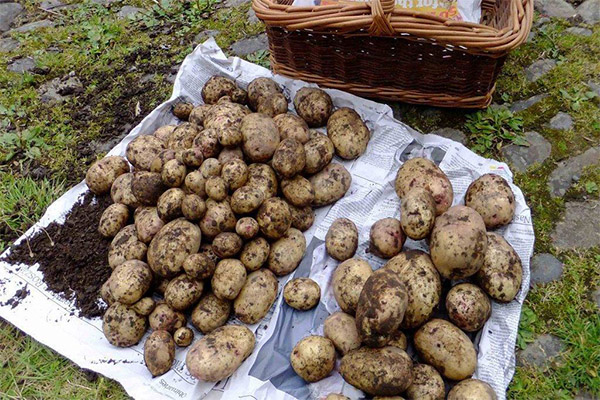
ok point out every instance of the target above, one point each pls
(375, 50)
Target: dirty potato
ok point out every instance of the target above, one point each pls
(227, 244)
(147, 223)
(192, 157)
(291, 126)
(144, 306)
(193, 207)
(195, 183)
(169, 204)
(235, 173)
(340, 328)
(229, 154)
(348, 280)
(142, 151)
(255, 253)
(302, 217)
(183, 136)
(113, 219)
(341, 240)
(260, 88)
(199, 266)
(130, 281)
(122, 326)
(313, 105)
(220, 86)
(302, 293)
(273, 105)
(398, 339)
(182, 292)
(121, 191)
(472, 389)
(228, 278)
(287, 252)
(427, 384)
(491, 196)
(210, 313)
(246, 199)
(182, 110)
(172, 245)
(229, 136)
(211, 167)
(313, 358)
(246, 227)
(298, 191)
(216, 188)
(386, 238)
(348, 133)
(274, 218)
(263, 177)
(256, 297)
(208, 142)
(183, 336)
(417, 213)
(126, 246)
(468, 307)
(161, 159)
(147, 187)
(101, 175)
(165, 318)
(330, 184)
(289, 158)
(159, 352)
(218, 218)
(260, 137)
(164, 132)
(318, 152)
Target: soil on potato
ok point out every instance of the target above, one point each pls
(76, 265)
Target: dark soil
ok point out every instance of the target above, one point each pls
(76, 263)
(19, 295)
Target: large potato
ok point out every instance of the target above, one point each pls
(318, 152)
(208, 142)
(502, 272)
(298, 191)
(169, 204)
(255, 253)
(313, 358)
(113, 219)
(219, 86)
(172, 245)
(260, 88)
(235, 173)
(263, 177)
(256, 297)
(386, 238)
(246, 227)
(313, 105)
(122, 326)
(183, 136)
(472, 389)
(491, 196)
(341, 240)
(130, 281)
(182, 292)
(199, 266)
(260, 137)
(147, 187)
(417, 213)
(291, 126)
(246, 199)
(274, 218)
(121, 191)
(219, 354)
(427, 384)
(142, 150)
(423, 173)
(458, 243)
(387, 371)
(340, 328)
(159, 352)
(227, 244)
(211, 313)
(218, 218)
(225, 115)
(165, 318)
(147, 223)
(381, 307)
(302, 293)
(302, 217)
(287, 252)
(348, 280)
(289, 158)
(447, 348)
(330, 184)
(103, 173)
(228, 279)
(126, 246)
(468, 307)
(348, 133)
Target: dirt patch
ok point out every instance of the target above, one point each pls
(19, 295)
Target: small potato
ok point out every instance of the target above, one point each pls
(199, 266)
(147, 187)
(130, 281)
(348, 133)
(348, 280)
(468, 307)
(246, 199)
(318, 152)
(164, 132)
(387, 371)
(183, 136)
(302, 217)
(122, 326)
(423, 173)
(142, 151)
(340, 328)
(219, 354)
(229, 154)
(193, 207)
(228, 279)
(255, 253)
(165, 318)
(195, 183)
(330, 184)
(298, 191)
(161, 159)
(291, 126)
(210, 313)
(147, 223)
(341, 240)
(121, 191)
(427, 384)
(227, 244)
(171, 246)
(216, 188)
(289, 158)
(159, 352)
(386, 238)
(211, 167)
(218, 218)
(287, 252)
(144, 306)
(260, 137)
(491, 196)
(246, 227)
(458, 243)
(447, 348)
(208, 142)
(229, 136)
(472, 389)
(198, 114)
(183, 336)
(192, 157)
(256, 297)
(259, 88)
(398, 339)
(263, 177)
(274, 218)
(302, 293)
(235, 173)
(173, 173)
(183, 292)
(502, 272)
(170, 203)
(126, 246)
(417, 213)
(273, 105)
(217, 87)
(313, 358)
(103, 173)
(182, 110)
(313, 105)
(113, 219)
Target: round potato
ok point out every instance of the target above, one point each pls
(235, 173)
(142, 151)
(193, 207)
(211, 167)
(263, 177)
(491, 196)
(199, 266)
(313, 358)
(147, 187)
(302, 217)
(260, 88)
(147, 223)
(260, 137)
(502, 272)
(217, 87)
(159, 352)
(169, 204)
(171, 246)
(208, 142)
(130, 281)
(318, 152)
(122, 191)
(198, 114)
(273, 105)
(195, 183)
(287, 252)
(228, 279)
(105, 293)
(298, 191)
(427, 384)
(192, 157)
(164, 132)
(182, 110)
(126, 246)
(113, 219)
(289, 158)
(122, 326)
(101, 175)
(468, 307)
(313, 105)
(144, 306)
(348, 280)
(230, 153)
(255, 253)
(274, 218)
(183, 136)
(291, 126)
(218, 218)
(216, 188)
(182, 292)
(246, 227)
(472, 389)
(417, 213)
(246, 199)
(161, 159)
(386, 238)
(211, 313)
(340, 328)
(165, 318)
(348, 133)
(183, 336)
(256, 297)
(341, 240)
(330, 184)
(302, 293)
(227, 244)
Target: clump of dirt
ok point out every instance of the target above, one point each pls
(19, 295)
(72, 256)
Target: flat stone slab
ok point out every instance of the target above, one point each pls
(555, 8)
(8, 13)
(45, 23)
(21, 65)
(561, 121)
(252, 18)
(580, 226)
(202, 36)
(579, 31)
(451, 133)
(129, 11)
(595, 87)
(585, 396)
(8, 44)
(541, 352)
(235, 3)
(596, 297)
(568, 171)
(590, 11)
(545, 268)
(539, 68)
(525, 104)
(250, 45)
(51, 4)
(522, 157)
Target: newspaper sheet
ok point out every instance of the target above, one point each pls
(267, 374)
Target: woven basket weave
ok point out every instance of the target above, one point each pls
(376, 50)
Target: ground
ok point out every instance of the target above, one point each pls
(73, 84)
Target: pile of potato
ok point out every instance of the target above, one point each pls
(383, 309)
(212, 213)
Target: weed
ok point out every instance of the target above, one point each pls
(260, 57)
(28, 142)
(526, 332)
(575, 97)
(493, 128)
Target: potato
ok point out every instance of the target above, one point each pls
(340, 328)
(195, 183)
(263, 177)
(193, 207)
(217, 87)
(147, 223)
(198, 114)
(121, 191)
(130, 281)
(256, 297)
(298, 191)
(502, 272)
(246, 227)
(302, 217)
(165, 318)
(491, 196)
(398, 339)
(313, 105)
(113, 219)
(287, 252)
(218, 218)
(235, 173)
(230, 136)
(313, 358)
(164, 132)
(348, 133)
(219, 354)
(192, 157)
(255, 253)
(147, 187)
(381, 307)
(386, 238)
(289, 158)
(169, 204)
(122, 326)
(225, 115)
(260, 88)
(260, 137)
(216, 188)
(417, 213)
(330, 184)
(210, 313)
(458, 243)
(144, 306)
(101, 175)
(159, 352)
(182, 110)
(468, 307)
(228, 278)
(291, 126)
(348, 280)
(302, 293)
(183, 336)
(161, 285)
(173, 173)
(341, 240)
(208, 142)
(126, 246)
(447, 348)
(423, 173)
(229, 154)
(274, 218)
(318, 152)
(183, 292)
(472, 389)
(171, 246)
(105, 293)
(227, 244)
(161, 159)
(387, 371)
(423, 284)
(273, 105)
(183, 136)
(211, 167)
(142, 151)
(427, 384)
(199, 266)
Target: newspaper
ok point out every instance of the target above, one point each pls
(267, 374)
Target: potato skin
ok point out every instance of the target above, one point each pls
(340, 328)
(341, 240)
(273, 105)
(348, 133)
(147, 187)
(302, 217)
(173, 173)
(227, 244)
(259, 88)
(147, 223)
(169, 204)
(195, 183)
(287, 252)
(447, 348)
(228, 279)
(302, 293)
(468, 307)
(318, 152)
(142, 150)
(216, 188)
(199, 266)
(211, 167)
(417, 213)
(246, 227)
(385, 371)
(121, 191)
(208, 141)
(144, 306)
(386, 238)
(122, 326)
(225, 115)
(217, 87)
(491, 196)
(211, 313)
(472, 389)
(126, 246)
(289, 158)
(502, 272)
(165, 318)
(183, 336)
(183, 136)
(101, 175)
(113, 219)
(330, 184)
(291, 126)
(246, 199)
(256, 297)
(255, 253)
(423, 173)
(159, 352)
(220, 353)
(274, 218)
(218, 218)
(313, 358)
(313, 105)
(298, 191)
(130, 281)
(427, 384)
(348, 280)
(235, 173)
(398, 339)
(164, 132)
(182, 292)
(260, 137)
(263, 177)
(193, 207)
(171, 246)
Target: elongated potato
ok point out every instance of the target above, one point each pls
(260, 137)
(302, 217)
(218, 218)
(302, 293)
(274, 218)
(235, 173)
(348, 133)
(340, 328)
(169, 204)
(313, 358)
(472, 389)
(171, 246)
(147, 223)
(122, 192)
(468, 307)
(228, 279)
(113, 219)
(173, 173)
(298, 191)
(348, 280)
(182, 292)
(341, 240)
(386, 238)
(103, 173)
(291, 126)
(183, 136)
(126, 246)
(193, 207)
(417, 213)
(130, 281)
(263, 177)
(159, 352)
(142, 150)
(502, 272)
(287, 252)
(491, 196)
(122, 326)
(211, 313)
(330, 184)
(427, 384)
(289, 158)
(256, 297)
(318, 152)
(195, 182)
(255, 253)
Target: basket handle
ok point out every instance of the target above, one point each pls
(381, 10)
